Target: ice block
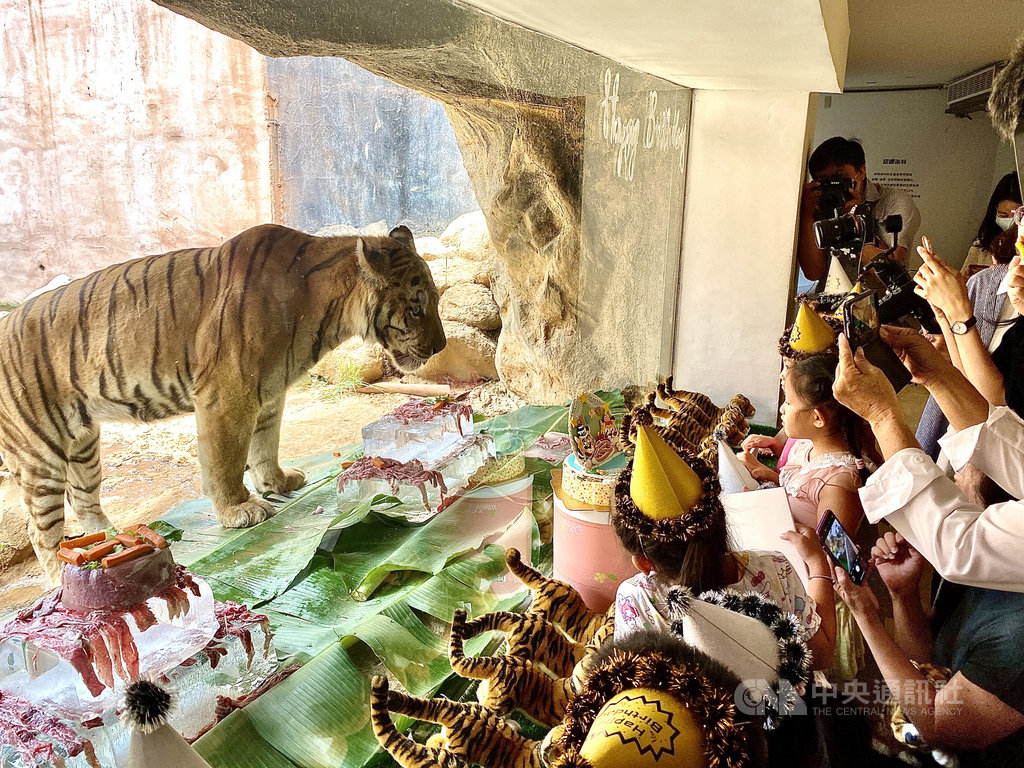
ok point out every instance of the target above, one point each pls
(75, 665)
(418, 429)
(238, 660)
(430, 484)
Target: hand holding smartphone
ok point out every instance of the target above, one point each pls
(861, 325)
(841, 549)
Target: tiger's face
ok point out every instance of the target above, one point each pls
(406, 321)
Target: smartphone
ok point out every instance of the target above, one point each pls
(860, 319)
(861, 325)
(841, 548)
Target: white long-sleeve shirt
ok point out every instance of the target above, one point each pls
(964, 542)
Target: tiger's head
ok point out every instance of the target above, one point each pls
(404, 317)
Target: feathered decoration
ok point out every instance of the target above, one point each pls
(146, 706)
(1006, 104)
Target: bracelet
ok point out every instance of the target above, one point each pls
(817, 576)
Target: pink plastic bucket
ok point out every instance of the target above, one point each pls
(510, 502)
(588, 555)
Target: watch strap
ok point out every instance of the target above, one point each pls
(962, 327)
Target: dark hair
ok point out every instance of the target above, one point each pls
(835, 151)
(1003, 245)
(812, 379)
(696, 563)
(1008, 188)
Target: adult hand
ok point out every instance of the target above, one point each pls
(943, 287)
(810, 199)
(805, 542)
(761, 445)
(1015, 283)
(860, 598)
(862, 387)
(899, 564)
(916, 352)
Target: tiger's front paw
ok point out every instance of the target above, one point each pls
(281, 481)
(246, 514)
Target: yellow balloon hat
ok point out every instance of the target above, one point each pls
(644, 728)
(662, 485)
(810, 333)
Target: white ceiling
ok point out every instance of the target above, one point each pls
(782, 44)
(900, 43)
(797, 45)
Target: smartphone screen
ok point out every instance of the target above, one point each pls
(860, 316)
(840, 547)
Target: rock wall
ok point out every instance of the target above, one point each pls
(105, 158)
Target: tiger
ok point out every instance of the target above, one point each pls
(528, 636)
(219, 331)
(692, 421)
(557, 601)
(471, 734)
(510, 682)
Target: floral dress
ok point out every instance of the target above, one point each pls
(640, 603)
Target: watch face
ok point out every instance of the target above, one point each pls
(958, 327)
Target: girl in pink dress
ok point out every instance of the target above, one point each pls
(823, 471)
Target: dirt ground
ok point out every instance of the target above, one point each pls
(149, 469)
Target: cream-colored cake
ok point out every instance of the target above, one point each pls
(594, 488)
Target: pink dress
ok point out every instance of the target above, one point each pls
(803, 478)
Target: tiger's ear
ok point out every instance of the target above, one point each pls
(373, 264)
(403, 235)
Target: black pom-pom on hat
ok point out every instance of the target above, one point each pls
(146, 706)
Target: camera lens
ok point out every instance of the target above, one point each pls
(833, 233)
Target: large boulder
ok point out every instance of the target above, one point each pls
(353, 362)
(472, 304)
(373, 229)
(451, 270)
(14, 543)
(430, 248)
(468, 356)
(468, 237)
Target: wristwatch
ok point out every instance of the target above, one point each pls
(960, 327)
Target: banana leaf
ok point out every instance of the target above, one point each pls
(515, 432)
(262, 562)
(317, 718)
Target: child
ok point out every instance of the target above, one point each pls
(669, 518)
(811, 334)
(823, 472)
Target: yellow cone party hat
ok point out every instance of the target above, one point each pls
(644, 727)
(662, 485)
(810, 333)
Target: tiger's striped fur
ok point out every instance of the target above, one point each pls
(471, 733)
(511, 682)
(557, 601)
(692, 421)
(528, 636)
(220, 331)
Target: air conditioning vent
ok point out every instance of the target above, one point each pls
(970, 93)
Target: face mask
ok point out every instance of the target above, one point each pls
(1004, 223)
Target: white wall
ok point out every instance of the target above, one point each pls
(954, 161)
(745, 166)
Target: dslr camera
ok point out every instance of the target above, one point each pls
(896, 297)
(845, 235)
(836, 192)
